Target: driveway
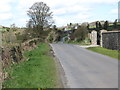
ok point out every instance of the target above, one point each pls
(86, 69)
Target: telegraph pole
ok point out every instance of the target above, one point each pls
(1, 71)
(119, 11)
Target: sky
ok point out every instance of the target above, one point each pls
(64, 11)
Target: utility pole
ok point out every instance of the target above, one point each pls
(119, 11)
(1, 71)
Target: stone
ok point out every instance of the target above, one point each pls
(94, 37)
(111, 40)
(102, 31)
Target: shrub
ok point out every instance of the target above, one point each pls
(81, 33)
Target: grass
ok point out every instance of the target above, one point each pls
(92, 26)
(3, 29)
(104, 51)
(38, 72)
(78, 43)
(118, 23)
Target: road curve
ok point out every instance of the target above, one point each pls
(86, 69)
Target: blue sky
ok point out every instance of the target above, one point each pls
(64, 11)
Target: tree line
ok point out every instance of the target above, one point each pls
(98, 26)
(41, 20)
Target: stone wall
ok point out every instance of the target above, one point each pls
(14, 54)
(110, 40)
(102, 31)
(11, 55)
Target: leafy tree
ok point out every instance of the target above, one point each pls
(106, 24)
(13, 27)
(88, 26)
(81, 33)
(54, 27)
(40, 16)
(100, 26)
(115, 24)
(97, 25)
(70, 24)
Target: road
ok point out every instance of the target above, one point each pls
(86, 69)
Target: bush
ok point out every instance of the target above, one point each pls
(81, 33)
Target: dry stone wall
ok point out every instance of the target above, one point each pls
(14, 54)
(11, 55)
(108, 39)
(111, 40)
(102, 31)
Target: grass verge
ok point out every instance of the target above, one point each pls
(78, 43)
(104, 51)
(38, 72)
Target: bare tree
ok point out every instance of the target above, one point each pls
(40, 16)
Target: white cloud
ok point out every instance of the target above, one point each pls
(78, 18)
(83, 16)
(62, 9)
(21, 22)
(5, 5)
(5, 16)
(65, 11)
(4, 8)
(70, 10)
(59, 20)
(114, 11)
(63, 3)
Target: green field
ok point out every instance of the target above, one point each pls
(2, 29)
(92, 26)
(104, 51)
(118, 23)
(38, 72)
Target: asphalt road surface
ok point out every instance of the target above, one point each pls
(86, 69)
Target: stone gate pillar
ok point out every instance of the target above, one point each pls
(101, 40)
(94, 37)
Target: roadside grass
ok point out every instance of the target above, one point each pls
(104, 51)
(78, 43)
(38, 71)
